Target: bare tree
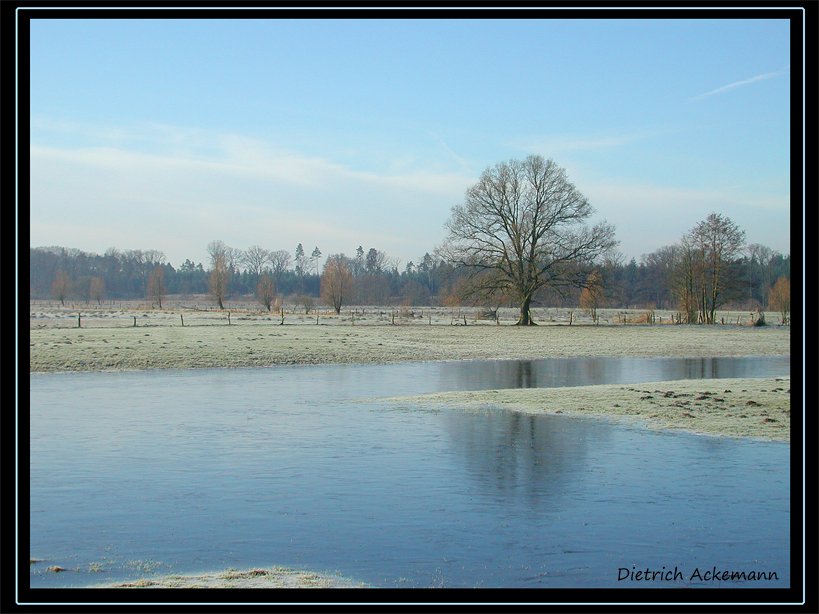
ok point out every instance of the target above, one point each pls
(336, 281)
(717, 241)
(592, 295)
(234, 257)
(153, 258)
(377, 262)
(82, 288)
(780, 298)
(61, 287)
(156, 285)
(254, 259)
(684, 273)
(660, 267)
(522, 228)
(266, 290)
(219, 281)
(306, 301)
(762, 258)
(279, 263)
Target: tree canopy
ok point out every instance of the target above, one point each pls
(521, 228)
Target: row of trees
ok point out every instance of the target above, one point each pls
(709, 268)
(520, 238)
(231, 273)
(614, 283)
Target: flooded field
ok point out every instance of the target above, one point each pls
(137, 475)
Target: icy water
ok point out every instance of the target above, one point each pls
(157, 472)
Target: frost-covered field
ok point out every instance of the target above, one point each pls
(116, 337)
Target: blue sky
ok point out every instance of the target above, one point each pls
(168, 134)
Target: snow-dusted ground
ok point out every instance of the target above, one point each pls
(751, 407)
(134, 337)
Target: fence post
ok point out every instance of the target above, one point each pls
(183, 319)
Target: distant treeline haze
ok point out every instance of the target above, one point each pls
(373, 278)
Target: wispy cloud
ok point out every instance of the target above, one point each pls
(462, 162)
(736, 84)
(573, 142)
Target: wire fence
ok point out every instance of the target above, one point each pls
(50, 315)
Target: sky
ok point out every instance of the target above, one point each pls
(334, 133)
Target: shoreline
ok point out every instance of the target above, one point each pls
(758, 408)
(273, 577)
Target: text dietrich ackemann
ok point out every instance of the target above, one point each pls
(713, 575)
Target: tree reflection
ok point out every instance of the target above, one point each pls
(523, 457)
(526, 376)
(596, 370)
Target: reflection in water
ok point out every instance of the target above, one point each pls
(591, 371)
(520, 456)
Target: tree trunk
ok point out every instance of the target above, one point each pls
(525, 313)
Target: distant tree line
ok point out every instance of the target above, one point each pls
(69, 274)
(656, 281)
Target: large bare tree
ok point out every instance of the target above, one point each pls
(523, 227)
